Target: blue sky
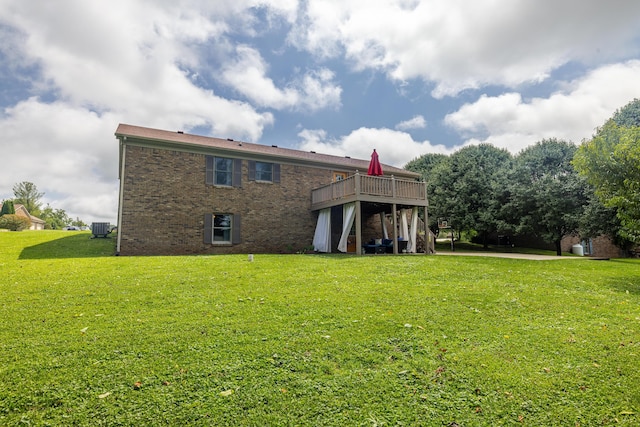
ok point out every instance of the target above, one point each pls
(406, 77)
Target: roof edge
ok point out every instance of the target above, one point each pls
(180, 138)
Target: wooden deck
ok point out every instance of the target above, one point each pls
(366, 188)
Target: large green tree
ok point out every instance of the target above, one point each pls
(547, 196)
(27, 194)
(55, 218)
(426, 165)
(599, 220)
(629, 115)
(610, 161)
(466, 186)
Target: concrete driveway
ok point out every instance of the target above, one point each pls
(510, 255)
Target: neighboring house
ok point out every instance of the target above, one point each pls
(600, 247)
(36, 223)
(189, 194)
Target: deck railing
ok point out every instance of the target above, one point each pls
(376, 186)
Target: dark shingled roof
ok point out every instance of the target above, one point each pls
(186, 140)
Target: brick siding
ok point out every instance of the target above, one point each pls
(602, 246)
(165, 199)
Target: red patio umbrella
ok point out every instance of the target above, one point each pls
(375, 168)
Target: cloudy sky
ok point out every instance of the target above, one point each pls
(406, 77)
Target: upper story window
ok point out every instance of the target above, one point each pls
(223, 171)
(264, 172)
(339, 176)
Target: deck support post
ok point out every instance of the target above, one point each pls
(394, 215)
(358, 220)
(427, 230)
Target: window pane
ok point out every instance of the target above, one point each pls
(264, 171)
(221, 235)
(224, 164)
(223, 178)
(222, 228)
(223, 171)
(222, 221)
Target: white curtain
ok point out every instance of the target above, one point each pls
(348, 214)
(322, 236)
(411, 246)
(404, 227)
(383, 219)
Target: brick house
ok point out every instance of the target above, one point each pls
(190, 194)
(36, 223)
(601, 247)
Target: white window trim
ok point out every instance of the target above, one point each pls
(214, 228)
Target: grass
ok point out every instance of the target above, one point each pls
(87, 338)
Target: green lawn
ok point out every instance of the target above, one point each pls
(87, 338)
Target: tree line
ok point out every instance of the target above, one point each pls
(549, 190)
(27, 194)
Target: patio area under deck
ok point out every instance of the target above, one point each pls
(358, 188)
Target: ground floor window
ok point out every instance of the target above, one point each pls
(222, 228)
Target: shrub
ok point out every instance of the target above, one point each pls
(7, 208)
(14, 222)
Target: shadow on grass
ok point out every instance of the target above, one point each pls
(442, 246)
(76, 245)
(626, 283)
(629, 285)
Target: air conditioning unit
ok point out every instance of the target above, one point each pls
(100, 229)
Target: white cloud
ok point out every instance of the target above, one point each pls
(68, 153)
(135, 59)
(394, 147)
(510, 122)
(417, 122)
(133, 63)
(247, 74)
(462, 45)
(319, 91)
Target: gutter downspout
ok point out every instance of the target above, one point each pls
(123, 152)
